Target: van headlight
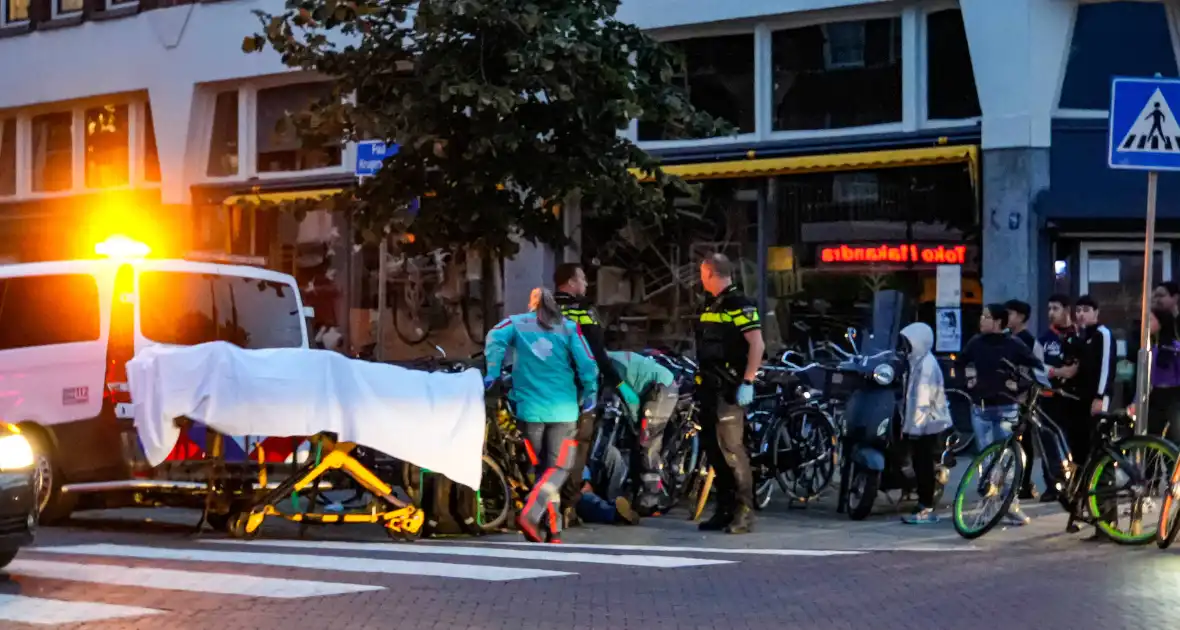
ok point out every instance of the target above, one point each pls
(883, 374)
(15, 453)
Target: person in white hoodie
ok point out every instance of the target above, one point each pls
(926, 415)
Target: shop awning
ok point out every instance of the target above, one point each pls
(276, 197)
(769, 167)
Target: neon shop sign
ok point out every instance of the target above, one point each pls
(893, 254)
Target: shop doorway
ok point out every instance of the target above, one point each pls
(1112, 273)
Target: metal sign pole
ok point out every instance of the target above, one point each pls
(1143, 380)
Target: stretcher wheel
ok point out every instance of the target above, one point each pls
(246, 526)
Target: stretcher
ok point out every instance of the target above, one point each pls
(401, 520)
(218, 391)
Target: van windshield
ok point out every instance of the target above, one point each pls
(184, 309)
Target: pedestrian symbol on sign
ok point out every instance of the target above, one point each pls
(1155, 131)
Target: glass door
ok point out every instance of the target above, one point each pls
(1112, 273)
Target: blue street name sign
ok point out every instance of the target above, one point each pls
(370, 154)
(1144, 132)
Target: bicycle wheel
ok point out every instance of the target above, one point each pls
(1110, 482)
(994, 475)
(804, 454)
(1169, 524)
(494, 498)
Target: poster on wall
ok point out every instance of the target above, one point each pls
(948, 331)
(949, 286)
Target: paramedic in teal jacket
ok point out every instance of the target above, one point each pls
(659, 392)
(552, 365)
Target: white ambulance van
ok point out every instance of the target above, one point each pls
(67, 330)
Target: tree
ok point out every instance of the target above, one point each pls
(503, 109)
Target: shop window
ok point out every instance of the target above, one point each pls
(107, 146)
(832, 76)
(1115, 39)
(7, 157)
(718, 75)
(278, 152)
(53, 143)
(151, 151)
(64, 7)
(32, 313)
(15, 11)
(950, 77)
(223, 141)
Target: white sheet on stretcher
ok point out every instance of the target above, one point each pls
(432, 420)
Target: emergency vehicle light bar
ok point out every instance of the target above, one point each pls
(121, 247)
(229, 259)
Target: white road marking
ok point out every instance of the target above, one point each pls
(35, 610)
(193, 581)
(717, 550)
(754, 552)
(657, 562)
(323, 563)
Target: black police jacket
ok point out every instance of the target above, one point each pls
(579, 311)
(722, 348)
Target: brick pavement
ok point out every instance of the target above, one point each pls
(1027, 577)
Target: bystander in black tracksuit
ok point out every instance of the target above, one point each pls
(1094, 381)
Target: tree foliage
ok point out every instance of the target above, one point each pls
(503, 109)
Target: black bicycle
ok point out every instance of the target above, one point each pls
(1112, 488)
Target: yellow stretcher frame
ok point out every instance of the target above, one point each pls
(402, 521)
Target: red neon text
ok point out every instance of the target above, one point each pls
(924, 254)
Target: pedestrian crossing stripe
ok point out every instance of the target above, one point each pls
(1154, 131)
(51, 612)
(484, 551)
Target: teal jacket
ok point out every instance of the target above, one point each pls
(640, 372)
(550, 367)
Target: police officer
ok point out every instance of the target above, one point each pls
(570, 281)
(729, 352)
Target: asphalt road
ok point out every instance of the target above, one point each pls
(801, 569)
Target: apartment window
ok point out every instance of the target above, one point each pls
(107, 147)
(7, 157)
(1115, 39)
(53, 143)
(68, 6)
(151, 153)
(718, 74)
(950, 77)
(223, 141)
(286, 151)
(832, 76)
(15, 10)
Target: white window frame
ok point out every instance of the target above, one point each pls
(248, 132)
(55, 11)
(111, 5)
(922, 70)
(136, 135)
(1086, 248)
(4, 22)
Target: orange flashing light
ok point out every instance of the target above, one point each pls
(122, 248)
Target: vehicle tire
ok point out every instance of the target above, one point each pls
(971, 480)
(6, 558)
(1169, 524)
(1167, 454)
(220, 522)
(53, 505)
(860, 505)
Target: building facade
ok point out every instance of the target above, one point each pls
(874, 141)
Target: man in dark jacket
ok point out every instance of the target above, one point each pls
(1059, 347)
(1096, 370)
(1018, 313)
(571, 284)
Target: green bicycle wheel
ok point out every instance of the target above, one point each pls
(988, 489)
(1121, 525)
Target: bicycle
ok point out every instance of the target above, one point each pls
(1089, 492)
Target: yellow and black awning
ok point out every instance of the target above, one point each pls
(769, 167)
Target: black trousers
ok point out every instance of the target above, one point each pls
(923, 450)
(1163, 413)
(723, 424)
(571, 490)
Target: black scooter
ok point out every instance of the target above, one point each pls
(874, 456)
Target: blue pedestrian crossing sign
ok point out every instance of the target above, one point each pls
(1144, 132)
